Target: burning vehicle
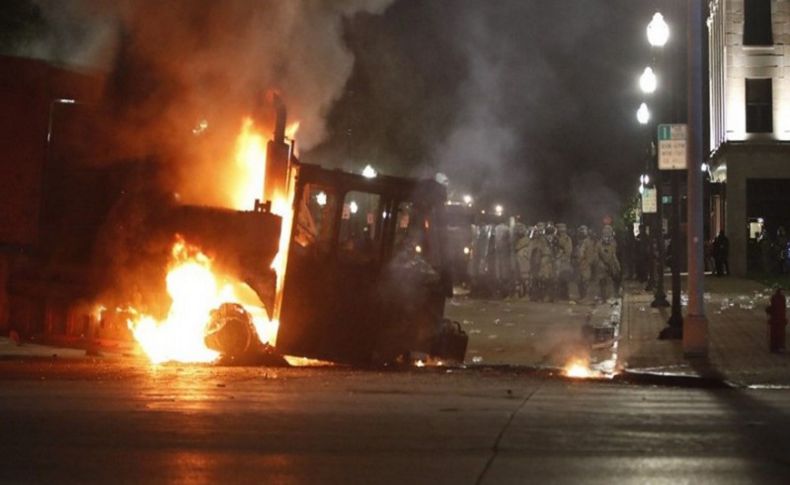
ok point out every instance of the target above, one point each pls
(326, 265)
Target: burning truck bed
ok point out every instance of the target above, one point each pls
(329, 265)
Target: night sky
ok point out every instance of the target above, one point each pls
(529, 103)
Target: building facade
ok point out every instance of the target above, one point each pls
(749, 79)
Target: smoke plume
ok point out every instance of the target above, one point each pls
(176, 64)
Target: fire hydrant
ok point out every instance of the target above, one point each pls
(777, 321)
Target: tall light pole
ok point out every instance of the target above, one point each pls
(657, 36)
(643, 117)
(695, 329)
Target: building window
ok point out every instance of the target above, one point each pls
(757, 22)
(759, 115)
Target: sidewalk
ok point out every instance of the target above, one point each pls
(737, 333)
(27, 350)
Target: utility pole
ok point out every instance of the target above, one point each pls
(695, 326)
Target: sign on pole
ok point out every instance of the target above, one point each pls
(649, 202)
(672, 147)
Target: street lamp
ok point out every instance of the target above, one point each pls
(648, 81)
(643, 114)
(657, 31)
(657, 36)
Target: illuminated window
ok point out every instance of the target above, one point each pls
(359, 238)
(413, 234)
(757, 22)
(759, 116)
(313, 221)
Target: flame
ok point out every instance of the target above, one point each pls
(579, 369)
(250, 166)
(292, 129)
(195, 290)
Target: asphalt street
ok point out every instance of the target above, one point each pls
(124, 421)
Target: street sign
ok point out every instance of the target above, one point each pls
(672, 147)
(649, 201)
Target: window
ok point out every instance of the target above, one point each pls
(759, 115)
(359, 239)
(757, 22)
(313, 224)
(413, 234)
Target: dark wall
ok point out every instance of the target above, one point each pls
(27, 89)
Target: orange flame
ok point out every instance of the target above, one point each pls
(292, 129)
(195, 290)
(250, 166)
(579, 369)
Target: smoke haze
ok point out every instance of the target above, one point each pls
(174, 64)
(524, 102)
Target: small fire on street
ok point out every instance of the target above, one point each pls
(580, 369)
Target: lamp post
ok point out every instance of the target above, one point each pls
(657, 36)
(695, 331)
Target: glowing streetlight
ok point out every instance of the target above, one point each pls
(657, 31)
(353, 207)
(498, 210)
(643, 114)
(648, 81)
(468, 199)
(369, 172)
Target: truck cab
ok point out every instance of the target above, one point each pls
(366, 278)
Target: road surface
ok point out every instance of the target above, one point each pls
(124, 421)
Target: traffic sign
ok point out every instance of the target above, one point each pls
(672, 147)
(649, 202)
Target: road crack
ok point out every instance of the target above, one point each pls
(495, 448)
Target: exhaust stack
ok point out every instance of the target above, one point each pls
(277, 155)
